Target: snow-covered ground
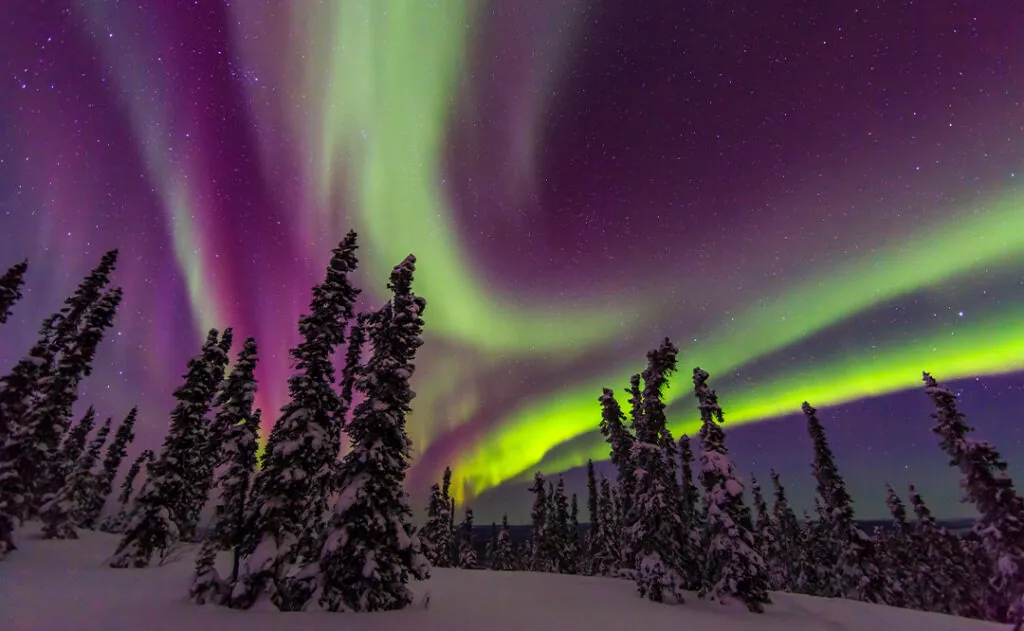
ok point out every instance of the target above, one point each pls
(65, 586)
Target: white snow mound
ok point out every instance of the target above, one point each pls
(66, 586)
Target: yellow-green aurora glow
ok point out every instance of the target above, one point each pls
(805, 212)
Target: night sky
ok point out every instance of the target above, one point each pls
(814, 200)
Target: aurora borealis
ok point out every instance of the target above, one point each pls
(812, 202)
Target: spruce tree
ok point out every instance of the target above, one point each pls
(655, 534)
(849, 552)
(619, 438)
(467, 551)
(784, 552)
(237, 429)
(764, 530)
(62, 511)
(10, 288)
(691, 518)
(605, 556)
(1001, 509)
(593, 536)
(733, 569)
(895, 550)
(503, 559)
(47, 419)
(162, 507)
(431, 532)
(72, 335)
(540, 562)
(116, 523)
(206, 448)
(285, 516)
(35, 405)
(445, 546)
(93, 503)
(73, 445)
(574, 548)
(558, 528)
(370, 524)
(19, 388)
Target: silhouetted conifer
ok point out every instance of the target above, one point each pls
(62, 511)
(540, 561)
(163, 504)
(92, 504)
(733, 569)
(784, 556)
(284, 495)
(370, 524)
(691, 517)
(849, 552)
(1001, 509)
(503, 557)
(467, 551)
(73, 445)
(116, 523)
(10, 288)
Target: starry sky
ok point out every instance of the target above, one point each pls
(814, 200)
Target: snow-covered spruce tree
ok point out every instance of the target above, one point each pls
(446, 523)
(489, 547)
(1001, 509)
(92, 503)
(691, 517)
(432, 529)
(733, 569)
(784, 552)
(116, 523)
(467, 550)
(574, 544)
(47, 419)
(73, 445)
(72, 334)
(349, 373)
(503, 559)
(849, 552)
(621, 440)
(10, 288)
(764, 528)
(284, 497)
(655, 531)
(593, 541)
(62, 511)
(539, 519)
(370, 527)
(206, 452)
(162, 506)
(895, 552)
(236, 427)
(605, 554)
(19, 388)
(558, 528)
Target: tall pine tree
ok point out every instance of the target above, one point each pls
(467, 549)
(62, 511)
(691, 517)
(299, 448)
(163, 505)
(1001, 509)
(370, 524)
(784, 553)
(116, 523)
(733, 569)
(10, 288)
(237, 429)
(93, 503)
(655, 532)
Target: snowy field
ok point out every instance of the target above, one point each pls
(65, 586)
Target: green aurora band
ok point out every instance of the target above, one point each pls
(381, 80)
(991, 238)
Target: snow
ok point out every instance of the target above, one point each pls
(66, 585)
